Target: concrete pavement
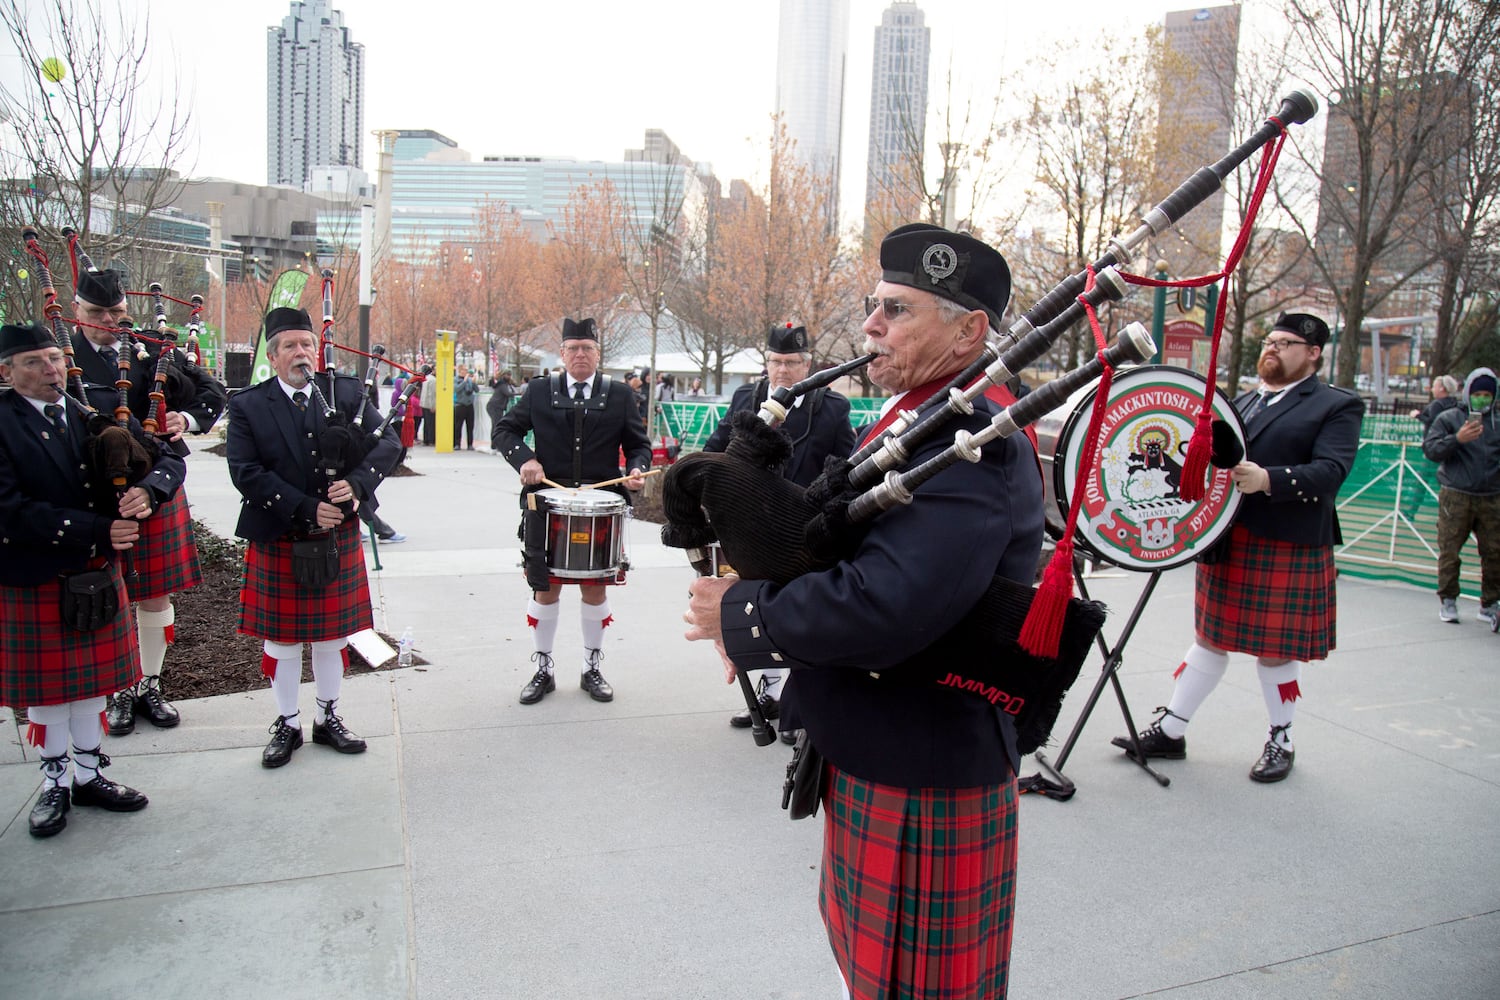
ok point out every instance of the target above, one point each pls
(635, 850)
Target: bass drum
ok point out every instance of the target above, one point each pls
(1132, 514)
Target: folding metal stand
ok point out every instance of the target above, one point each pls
(1050, 781)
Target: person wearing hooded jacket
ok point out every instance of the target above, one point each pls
(1465, 442)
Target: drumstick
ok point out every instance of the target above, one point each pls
(555, 486)
(616, 482)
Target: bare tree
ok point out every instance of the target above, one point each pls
(929, 182)
(1397, 73)
(1094, 135)
(582, 270)
(1463, 191)
(87, 127)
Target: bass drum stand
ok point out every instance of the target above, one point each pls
(1050, 781)
(1147, 422)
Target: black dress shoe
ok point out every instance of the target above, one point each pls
(789, 736)
(1275, 763)
(284, 740)
(152, 706)
(50, 814)
(1154, 742)
(541, 684)
(769, 707)
(119, 714)
(594, 683)
(106, 794)
(333, 733)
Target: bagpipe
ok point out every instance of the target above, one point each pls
(175, 371)
(117, 458)
(1023, 646)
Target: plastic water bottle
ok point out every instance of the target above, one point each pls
(403, 657)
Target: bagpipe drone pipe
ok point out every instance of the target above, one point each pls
(773, 530)
(117, 458)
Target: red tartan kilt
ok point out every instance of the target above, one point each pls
(918, 887)
(1269, 598)
(274, 607)
(43, 662)
(165, 558)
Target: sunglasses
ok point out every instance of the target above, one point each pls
(892, 309)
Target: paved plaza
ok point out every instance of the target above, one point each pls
(485, 849)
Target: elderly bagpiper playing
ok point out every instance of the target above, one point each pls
(302, 471)
(67, 639)
(165, 559)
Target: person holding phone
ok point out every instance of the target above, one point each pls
(1465, 442)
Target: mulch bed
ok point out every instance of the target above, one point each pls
(208, 657)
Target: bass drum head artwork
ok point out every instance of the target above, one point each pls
(1132, 514)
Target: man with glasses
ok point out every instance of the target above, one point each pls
(818, 425)
(1268, 589)
(919, 792)
(581, 421)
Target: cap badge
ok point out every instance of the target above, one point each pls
(939, 261)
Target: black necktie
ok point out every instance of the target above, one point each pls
(300, 398)
(111, 355)
(54, 413)
(578, 391)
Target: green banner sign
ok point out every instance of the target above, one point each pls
(286, 291)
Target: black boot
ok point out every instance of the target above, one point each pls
(1275, 761)
(151, 704)
(284, 740)
(541, 683)
(100, 791)
(119, 714)
(593, 681)
(50, 814)
(332, 732)
(1154, 742)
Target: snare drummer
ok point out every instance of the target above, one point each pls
(581, 420)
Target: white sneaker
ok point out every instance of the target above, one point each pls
(1487, 613)
(1449, 610)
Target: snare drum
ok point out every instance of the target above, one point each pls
(1132, 513)
(585, 533)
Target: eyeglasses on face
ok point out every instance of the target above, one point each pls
(1279, 344)
(589, 348)
(893, 309)
(795, 363)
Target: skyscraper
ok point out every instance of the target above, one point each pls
(898, 115)
(315, 94)
(812, 52)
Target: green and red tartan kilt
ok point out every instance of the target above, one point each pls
(918, 887)
(165, 558)
(1268, 598)
(273, 606)
(44, 662)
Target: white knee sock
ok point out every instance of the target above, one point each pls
(593, 618)
(1197, 676)
(770, 682)
(87, 731)
(52, 720)
(543, 621)
(1278, 684)
(152, 627)
(288, 657)
(328, 665)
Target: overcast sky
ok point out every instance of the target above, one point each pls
(584, 78)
